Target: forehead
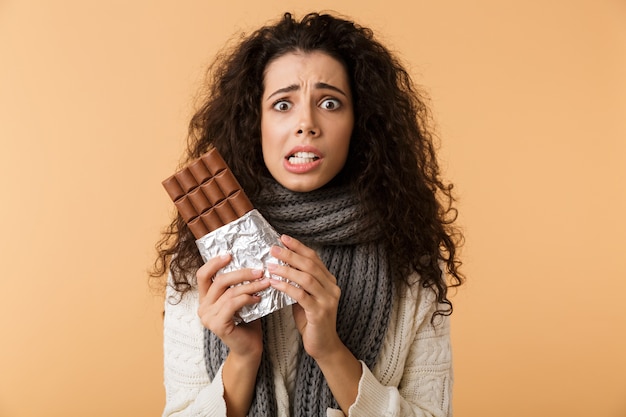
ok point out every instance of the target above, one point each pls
(301, 67)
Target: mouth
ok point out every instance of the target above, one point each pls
(300, 158)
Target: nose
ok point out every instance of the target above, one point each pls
(312, 132)
(307, 125)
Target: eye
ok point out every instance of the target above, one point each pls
(330, 104)
(282, 105)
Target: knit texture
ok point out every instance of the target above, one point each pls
(403, 382)
(332, 221)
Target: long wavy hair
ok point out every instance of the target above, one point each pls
(392, 165)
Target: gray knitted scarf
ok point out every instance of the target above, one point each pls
(330, 220)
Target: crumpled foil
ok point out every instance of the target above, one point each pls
(249, 240)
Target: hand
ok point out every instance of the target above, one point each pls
(318, 296)
(221, 297)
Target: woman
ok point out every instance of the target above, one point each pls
(328, 137)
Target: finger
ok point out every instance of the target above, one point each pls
(244, 294)
(297, 293)
(308, 300)
(237, 297)
(206, 272)
(240, 276)
(305, 280)
(222, 282)
(231, 300)
(303, 258)
(310, 263)
(298, 247)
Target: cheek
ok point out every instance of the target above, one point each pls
(272, 127)
(266, 134)
(346, 144)
(267, 138)
(347, 135)
(342, 150)
(271, 143)
(264, 128)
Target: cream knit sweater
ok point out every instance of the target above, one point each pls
(412, 376)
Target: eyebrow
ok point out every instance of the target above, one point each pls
(295, 87)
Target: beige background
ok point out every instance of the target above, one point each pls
(530, 101)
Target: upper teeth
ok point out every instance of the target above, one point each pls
(302, 157)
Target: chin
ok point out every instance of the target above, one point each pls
(301, 186)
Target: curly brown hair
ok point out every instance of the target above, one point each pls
(392, 166)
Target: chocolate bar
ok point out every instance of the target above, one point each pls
(207, 194)
(223, 220)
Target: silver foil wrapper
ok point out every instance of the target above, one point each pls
(249, 240)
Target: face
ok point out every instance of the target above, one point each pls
(306, 119)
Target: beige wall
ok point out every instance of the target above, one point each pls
(530, 98)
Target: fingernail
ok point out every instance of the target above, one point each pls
(276, 250)
(224, 256)
(286, 239)
(271, 267)
(257, 273)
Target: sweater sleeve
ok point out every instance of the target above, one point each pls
(424, 367)
(188, 389)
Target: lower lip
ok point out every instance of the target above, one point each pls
(301, 168)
